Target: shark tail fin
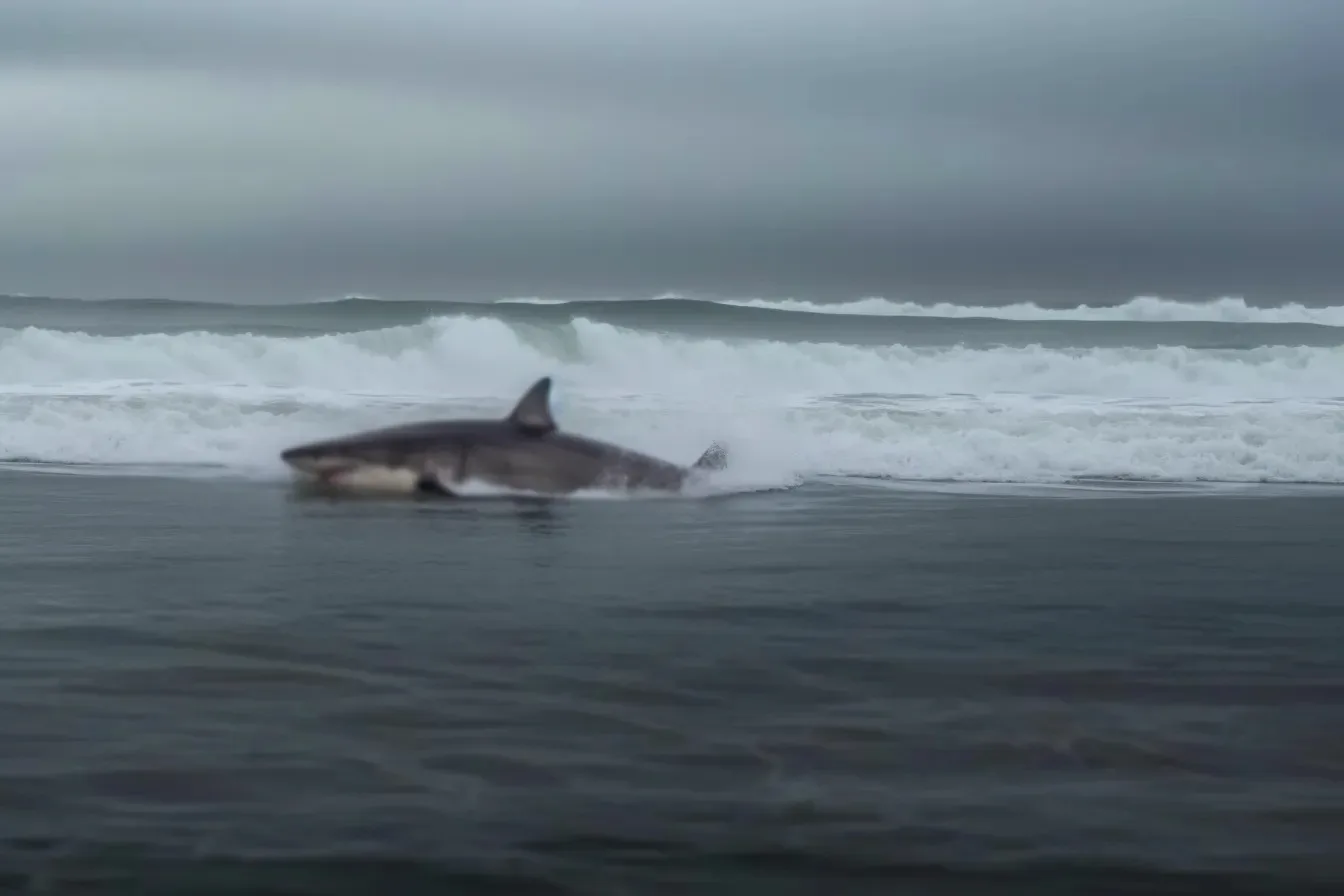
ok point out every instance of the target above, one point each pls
(714, 458)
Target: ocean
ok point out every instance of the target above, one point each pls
(1016, 599)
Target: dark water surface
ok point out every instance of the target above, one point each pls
(212, 687)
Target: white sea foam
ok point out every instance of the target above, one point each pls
(1151, 309)
(790, 411)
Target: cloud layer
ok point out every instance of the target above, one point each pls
(295, 148)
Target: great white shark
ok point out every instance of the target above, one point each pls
(524, 451)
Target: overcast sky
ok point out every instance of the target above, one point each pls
(295, 149)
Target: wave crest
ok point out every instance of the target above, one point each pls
(1141, 309)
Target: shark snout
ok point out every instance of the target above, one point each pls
(314, 459)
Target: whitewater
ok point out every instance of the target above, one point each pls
(220, 393)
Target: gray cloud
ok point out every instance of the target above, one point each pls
(297, 147)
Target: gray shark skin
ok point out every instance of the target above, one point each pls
(525, 451)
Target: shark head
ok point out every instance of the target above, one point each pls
(332, 457)
(400, 456)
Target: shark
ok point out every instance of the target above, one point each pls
(523, 451)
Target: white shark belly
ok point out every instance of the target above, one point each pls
(374, 479)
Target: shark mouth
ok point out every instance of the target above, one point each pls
(371, 478)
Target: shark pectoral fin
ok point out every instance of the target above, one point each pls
(429, 483)
(714, 458)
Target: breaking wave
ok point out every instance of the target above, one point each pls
(792, 411)
(1143, 309)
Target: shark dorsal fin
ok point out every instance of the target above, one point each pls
(533, 411)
